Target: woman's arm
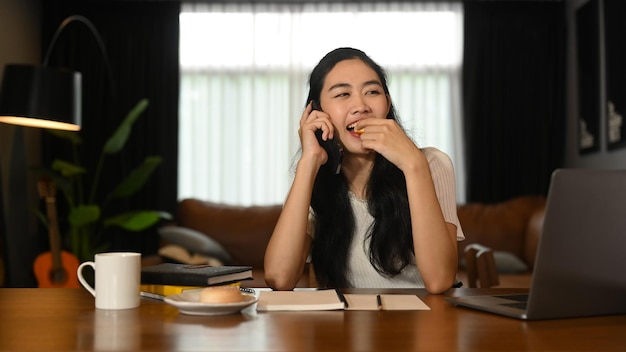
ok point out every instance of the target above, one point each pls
(289, 245)
(288, 248)
(434, 240)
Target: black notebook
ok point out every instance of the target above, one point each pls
(194, 275)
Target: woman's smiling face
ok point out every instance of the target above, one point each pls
(352, 91)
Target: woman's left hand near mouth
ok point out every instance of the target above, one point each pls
(387, 138)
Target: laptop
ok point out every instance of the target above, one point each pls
(579, 268)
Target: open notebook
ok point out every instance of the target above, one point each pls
(313, 299)
(579, 268)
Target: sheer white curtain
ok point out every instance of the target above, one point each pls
(244, 71)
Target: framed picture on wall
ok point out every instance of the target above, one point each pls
(615, 58)
(588, 57)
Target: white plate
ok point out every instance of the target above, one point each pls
(188, 302)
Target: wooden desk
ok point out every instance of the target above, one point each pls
(65, 319)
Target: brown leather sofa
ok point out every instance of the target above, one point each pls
(512, 227)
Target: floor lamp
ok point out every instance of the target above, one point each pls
(41, 97)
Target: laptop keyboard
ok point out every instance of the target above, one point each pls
(520, 303)
(517, 298)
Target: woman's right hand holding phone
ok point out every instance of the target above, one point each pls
(311, 121)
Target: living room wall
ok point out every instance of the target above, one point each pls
(600, 156)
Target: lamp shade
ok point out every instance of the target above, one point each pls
(40, 96)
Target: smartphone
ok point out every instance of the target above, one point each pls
(333, 148)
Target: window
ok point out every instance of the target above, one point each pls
(244, 71)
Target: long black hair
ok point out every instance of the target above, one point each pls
(391, 245)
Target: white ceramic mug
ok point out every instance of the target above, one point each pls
(118, 276)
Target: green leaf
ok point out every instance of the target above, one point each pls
(137, 220)
(63, 183)
(137, 178)
(84, 215)
(117, 141)
(72, 136)
(67, 169)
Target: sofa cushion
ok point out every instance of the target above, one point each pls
(501, 226)
(243, 231)
(194, 242)
(177, 254)
(533, 234)
(508, 263)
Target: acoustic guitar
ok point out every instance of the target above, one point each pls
(56, 268)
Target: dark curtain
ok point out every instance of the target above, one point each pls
(514, 96)
(141, 40)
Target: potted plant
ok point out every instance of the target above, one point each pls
(86, 220)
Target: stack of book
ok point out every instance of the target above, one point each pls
(166, 279)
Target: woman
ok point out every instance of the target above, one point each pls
(388, 218)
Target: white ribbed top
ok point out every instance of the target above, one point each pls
(361, 273)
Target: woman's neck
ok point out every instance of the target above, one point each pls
(357, 170)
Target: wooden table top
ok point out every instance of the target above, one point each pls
(65, 319)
